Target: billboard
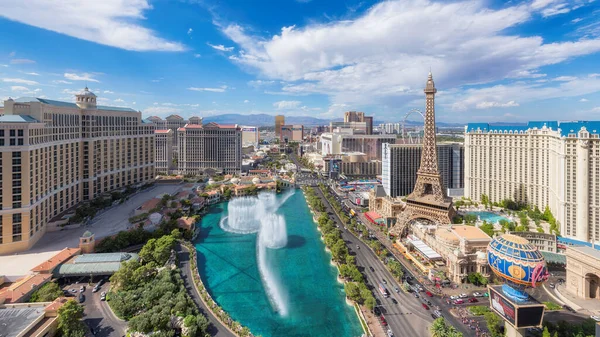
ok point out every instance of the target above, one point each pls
(520, 315)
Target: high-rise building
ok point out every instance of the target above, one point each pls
(554, 164)
(336, 143)
(279, 122)
(400, 163)
(173, 122)
(357, 116)
(369, 121)
(210, 146)
(164, 151)
(250, 136)
(292, 133)
(53, 155)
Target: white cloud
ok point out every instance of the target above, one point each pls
(133, 103)
(160, 111)
(221, 47)
(576, 20)
(62, 82)
(19, 80)
(190, 31)
(12, 54)
(19, 88)
(81, 77)
(114, 23)
(564, 78)
(219, 89)
(260, 83)
(32, 74)
(197, 55)
(382, 57)
(583, 100)
(246, 101)
(487, 105)
(119, 100)
(108, 92)
(20, 61)
(286, 105)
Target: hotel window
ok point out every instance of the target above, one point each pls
(17, 227)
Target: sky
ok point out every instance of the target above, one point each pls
(492, 61)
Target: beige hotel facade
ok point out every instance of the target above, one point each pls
(54, 155)
(555, 164)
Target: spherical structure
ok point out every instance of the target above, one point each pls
(519, 263)
(86, 92)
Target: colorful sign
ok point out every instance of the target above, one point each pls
(502, 307)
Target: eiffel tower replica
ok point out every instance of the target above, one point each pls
(428, 199)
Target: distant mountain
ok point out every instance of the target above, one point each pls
(265, 120)
(269, 120)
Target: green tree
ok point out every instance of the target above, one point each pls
(470, 218)
(352, 291)
(396, 269)
(339, 250)
(546, 333)
(370, 302)
(438, 327)
(488, 228)
(69, 320)
(47, 293)
(492, 321)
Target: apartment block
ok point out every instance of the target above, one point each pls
(210, 146)
(54, 155)
(542, 163)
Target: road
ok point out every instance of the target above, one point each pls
(216, 329)
(98, 315)
(408, 317)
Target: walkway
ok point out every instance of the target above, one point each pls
(216, 329)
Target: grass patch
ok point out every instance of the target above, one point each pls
(479, 310)
(552, 306)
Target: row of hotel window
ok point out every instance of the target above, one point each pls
(15, 137)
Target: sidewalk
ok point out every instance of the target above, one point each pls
(589, 306)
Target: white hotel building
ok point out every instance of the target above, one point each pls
(541, 163)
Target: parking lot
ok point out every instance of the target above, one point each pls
(97, 315)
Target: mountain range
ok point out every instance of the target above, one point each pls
(269, 120)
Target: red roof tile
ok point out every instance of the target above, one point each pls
(62, 256)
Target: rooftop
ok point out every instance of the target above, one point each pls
(69, 104)
(15, 320)
(95, 264)
(594, 253)
(16, 291)
(470, 232)
(150, 204)
(17, 119)
(163, 131)
(566, 128)
(49, 265)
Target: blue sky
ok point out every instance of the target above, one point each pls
(491, 60)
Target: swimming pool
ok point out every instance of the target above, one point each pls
(489, 216)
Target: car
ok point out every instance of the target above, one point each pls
(103, 298)
(103, 293)
(568, 308)
(459, 301)
(409, 277)
(428, 293)
(473, 300)
(437, 313)
(595, 318)
(454, 297)
(397, 289)
(394, 301)
(384, 281)
(81, 298)
(416, 295)
(376, 311)
(463, 296)
(428, 302)
(382, 319)
(372, 269)
(425, 306)
(486, 295)
(477, 294)
(357, 247)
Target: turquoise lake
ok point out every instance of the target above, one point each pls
(274, 287)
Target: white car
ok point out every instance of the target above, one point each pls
(463, 296)
(477, 294)
(454, 297)
(595, 318)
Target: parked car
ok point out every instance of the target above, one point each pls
(73, 290)
(477, 294)
(425, 306)
(397, 289)
(459, 301)
(81, 298)
(102, 297)
(473, 300)
(463, 295)
(437, 313)
(454, 297)
(382, 319)
(416, 295)
(595, 318)
(384, 281)
(394, 301)
(428, 293)
(95, 290)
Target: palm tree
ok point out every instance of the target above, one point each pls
(452, 332)
(438, 328)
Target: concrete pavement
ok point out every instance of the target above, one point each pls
(100, 317)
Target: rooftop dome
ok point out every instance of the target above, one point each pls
(256, 180)
(86, 92)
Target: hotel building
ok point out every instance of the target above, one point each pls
(279, 121)
(291, 133)
(171, 122)
(555, 164)
(400, 163)
(54, 155)
(210, 146)
(164, 151)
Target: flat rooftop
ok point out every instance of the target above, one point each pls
(586, 250)
(17, 265)
(13, 321)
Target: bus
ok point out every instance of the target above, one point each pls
(383, 290)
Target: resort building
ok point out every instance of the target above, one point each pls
(554, 164)
(164, 151)
(279, 121)
(210, 146)
(292, 133)
(54, 155)
(30, 319)
(172, 123)
(250, 136)
(384, 206)
(400, 163)
(357, 117)
(371, 145)
(461, 247)
(352, 164)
